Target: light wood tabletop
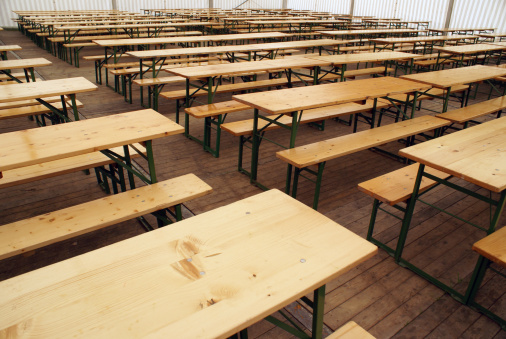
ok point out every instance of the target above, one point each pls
(470, 49)
(457, 76)
(368, 31)
(7, 48)
(301, 98)
(41, 89)
(389, 41)
(340, 59)
(146, 25)
(24, 63)
(38, 145)
(175, 40)
(493, 246)
(475, 154)
(199, 72)
(208, 276)
(271, 46)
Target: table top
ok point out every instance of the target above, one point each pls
(492, 35)
(415, 39)
(300, 98)
(457, 76)
(297, 22)
(7, 48)
(340, 59)
(270, 46)
(470, 49)
(38, 145)
(459, 29)
(175, 40)
(23, 63)
(208, 276)
(369, 31)
(493, 246)
(230, 69)
(475, 154)
(147, 25)
(40, 89)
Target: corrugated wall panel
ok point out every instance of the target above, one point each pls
(267, 4)
(428, 10)
(485, 13)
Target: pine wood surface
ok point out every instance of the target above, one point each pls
(230, 69)
(470, 49)
(474, 154)
(368, 31)
(233, 48)
(33, 110)
(294, 99)
(38, 145)
(312, 154)
(383, 298)
(10, 48)
(397, 186)
(209, 276)
(23, 63)
(493, 247)
(457, 76)
(461, 115)
(340, 59)
(173, 40)
(42, 89)
(350, 331)
(388, 41)
(29, 234)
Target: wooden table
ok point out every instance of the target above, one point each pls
(294, 26)
(427, 42)
(462, 31)
(490, 37)
(459, 53)
(27, 65)
(448, 78)
(209, 276)
(40, 145)
(340, 61)
(295, 100)
(366, 33)
(42, 89)
(7, 48)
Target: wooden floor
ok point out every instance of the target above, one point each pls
(384, 298)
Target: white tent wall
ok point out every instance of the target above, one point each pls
(229, 4)
(135, 6)
(332, 6)
(480, 13)
(466, 13)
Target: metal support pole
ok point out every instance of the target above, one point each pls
(449, 13)
(211, 3)
(284, 4)
(114, 4)
(352, 7)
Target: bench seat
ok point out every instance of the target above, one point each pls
(350, 330)
(29, 102)
(181, 94)
(158, 81)
(465, 114)
(30, 234)
(79, 44)
(211, 110)
(397, 186)
(31, 110)
(63, 166)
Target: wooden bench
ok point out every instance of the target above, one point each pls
(303, 157)
(466, 114)
(350, 330)
(244, 128)
(392, 189)
(54, 168)
(33, 233)
(35, 110)
(179, 95)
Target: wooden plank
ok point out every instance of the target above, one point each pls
(33, 90)
(493, 247)
(24, 63)
(38, 145)
(294, 99)
(474, 154)
(304, 156)
(457, 76)
(42, 230)
(222, 282)
(350, 330)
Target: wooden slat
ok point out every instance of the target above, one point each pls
(312, 154)
(42, 230)
(29, 147)
(24, 63)
(493, 247)
(31, 110)
(207, 276)
(350, 330)
(46, 88)
(461, 115)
